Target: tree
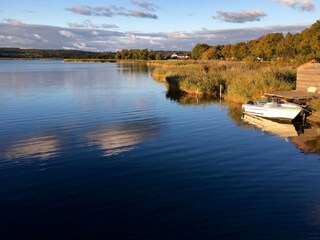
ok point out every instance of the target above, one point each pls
(151, 55)
(226, 51)
(266, 46)
(118, 56)
(239, 51)
(159, 56)
(198, 50)
(212, 53)
(286, 47)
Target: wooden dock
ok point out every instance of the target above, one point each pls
(294, 95)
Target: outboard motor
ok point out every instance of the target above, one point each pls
(307, 111)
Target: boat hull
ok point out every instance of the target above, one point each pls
(273, 112)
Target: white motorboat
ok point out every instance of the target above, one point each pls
(273, 110)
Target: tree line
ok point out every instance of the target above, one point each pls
(126, 54)
(297, 47)
(53, 54)
(136, 54)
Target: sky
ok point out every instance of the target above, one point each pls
(112, 25)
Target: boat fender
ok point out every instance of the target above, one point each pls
(250, 102)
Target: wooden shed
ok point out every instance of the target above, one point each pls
(308, 76)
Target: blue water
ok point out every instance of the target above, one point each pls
(98, 151)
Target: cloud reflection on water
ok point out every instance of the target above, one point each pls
(42, 147)
(118, 138)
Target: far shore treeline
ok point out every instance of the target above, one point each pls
(18, 53)
(132, 54)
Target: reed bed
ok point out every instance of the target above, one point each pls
(240, 81)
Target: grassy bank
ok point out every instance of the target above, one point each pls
(240, 81)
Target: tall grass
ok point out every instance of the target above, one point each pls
(251, 84)
(240, 81)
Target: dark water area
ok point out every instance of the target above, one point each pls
(102, 151)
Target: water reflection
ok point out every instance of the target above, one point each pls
(23, 83)
(304, 136)
(235, 113)
(132, 68)
(187, 99)
(283, 130)
(309, 141)
(122, 137)
(43, 147)
(71, 78)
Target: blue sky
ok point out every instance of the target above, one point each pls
(109, 25)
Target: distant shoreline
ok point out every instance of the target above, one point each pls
(75, 60)
(60, 59)
(36, 59)
(89, 60)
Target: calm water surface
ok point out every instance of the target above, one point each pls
(101, 151)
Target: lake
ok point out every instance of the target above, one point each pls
(101, 150)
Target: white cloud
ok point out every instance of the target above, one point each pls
(67, 48)
(130, 38)
(3, 37)
(178, 35)
(11, 21)
(145, 5)
(141, 14)
(303, 5)
(66, 33)
(110, 11)
(154, 42)
(36, 36)
(240, 17)
(108, 26)
(89, 24)
(80, 45)
(76, 25)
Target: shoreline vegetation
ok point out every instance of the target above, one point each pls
(238, 82)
